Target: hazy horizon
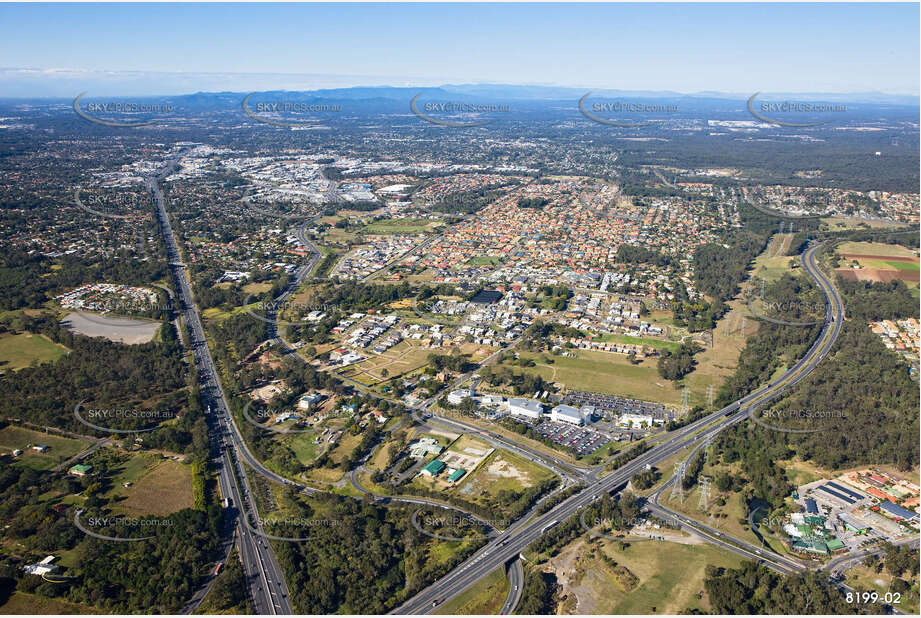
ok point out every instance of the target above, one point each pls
(57, 83)
(164, 49)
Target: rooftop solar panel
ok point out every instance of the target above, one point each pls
(846, 490)
(837, 494)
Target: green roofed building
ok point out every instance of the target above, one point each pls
(434, 467)
(457, 474)
(811, 547)
(814, 520)
(834, 544)
(80, 470)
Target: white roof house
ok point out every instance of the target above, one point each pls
(308, 400)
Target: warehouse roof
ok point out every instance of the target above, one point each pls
(897, 511)
(457, 474)
(434, 467)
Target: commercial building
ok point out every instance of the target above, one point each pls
(896, 512)
(525, 407)
(309, 400)
(811, 547)
(811, 506)
(424, 447)
(635, 420)
(833, 494)
(434, 468)
(567, 414)
(852, 523)
(42, 567)
(457, 475)
(455, 398)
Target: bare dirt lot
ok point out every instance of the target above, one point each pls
(876, 274)
(122, 330)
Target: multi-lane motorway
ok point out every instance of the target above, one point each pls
(514, 540)
(268, 591)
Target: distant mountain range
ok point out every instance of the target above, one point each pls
(201, 88)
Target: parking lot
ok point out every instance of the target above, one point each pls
(610, 405)
(582, 440)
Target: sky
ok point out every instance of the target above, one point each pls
(739, 48)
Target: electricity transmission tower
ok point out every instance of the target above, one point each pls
(704, 493)
(678, 487)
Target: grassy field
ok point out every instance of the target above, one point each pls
(346, 444)
(158, 486)
(771, 264)
(401, 359)
(802, 472)
(337, 235)
(874, 248)
(499, 472)
(886, 265)
(484, 597)
(400, 226)
(484, 260)
(864, 578)
(216, 313)
(604, 372)
(18, 351)
(727, 518)
(659, 344)
(302, 445)
(257, 288)
(325, 475)
(718, 362)
(671, 575)
(14, 437)
(22, 603)
(661, 577)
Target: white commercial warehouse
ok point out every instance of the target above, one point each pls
(525, 407)
(567, 414)
(455, 398)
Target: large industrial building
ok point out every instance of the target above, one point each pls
(567, 414)
(528, 408)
